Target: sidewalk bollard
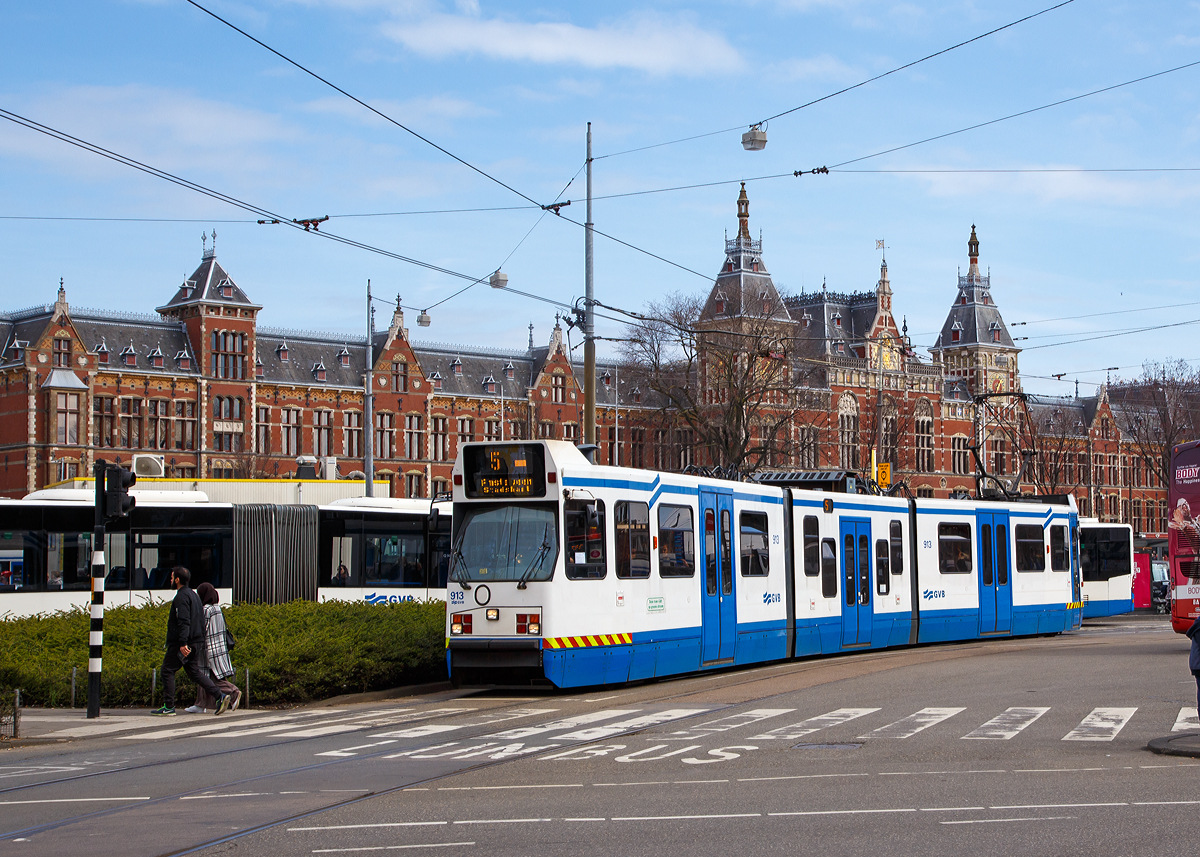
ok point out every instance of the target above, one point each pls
(17, 714)
(73, 671)
(247, 687)
(153, 685)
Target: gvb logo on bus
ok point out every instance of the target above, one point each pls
(375, 598)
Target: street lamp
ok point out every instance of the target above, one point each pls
(755, 140)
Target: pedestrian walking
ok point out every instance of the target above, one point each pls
(185, 646)
(216, 650)
(1194, 658)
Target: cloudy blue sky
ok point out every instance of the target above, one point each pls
(509, 87)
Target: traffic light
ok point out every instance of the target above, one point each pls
(117, 482)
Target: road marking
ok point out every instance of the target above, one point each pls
(505, 821)
(685, 817)
(939, 773)
(348, 751)
(1165, 803)
(365, 826)
(647, 783)
(812, 724)
(914, 723)
(1002, 820)
(211, 726)
(950, 808)
(564, 723)
(239, 794)
(342, 724)
(1102, 724)
(1057, 805)
(1007, 725)
(597, 733)
(724, 724)
(585, 819)
(842, 812)
(482, 720)
(697, 782)
(1186, 721)
(70, 800)
(798, 777)
(505, 788)
(1055, 770)
(390, 847)
(375, 721)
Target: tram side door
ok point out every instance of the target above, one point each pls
(718, 633)
(995, 573)
(857, 613)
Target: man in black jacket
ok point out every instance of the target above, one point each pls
(185, 645)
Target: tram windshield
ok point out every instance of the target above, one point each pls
(506, 543)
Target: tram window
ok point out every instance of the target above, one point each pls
(710, 552)
(1001, 554)
(828, 568)
(584, 521)
(954, 548)
(754, 540)
(633, 539)
(985, 558)
(882, 551)
(1031, 548)
(676, 542)
(864, 569)
(812, 546)
(896, 532)
(851, 571)
(726, 553)
(1060, 559)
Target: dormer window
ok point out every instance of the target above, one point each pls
(841, 348)
(435, 380)
(282, 351)
(318, 370)
(16, 349)
(508, 371)
(184, 360)
(129, 355)
(954, 335)
(344, 356)
(189, 288)
(489, 384)
(807, 320)
(226, 288)
(259, 369)
(456, 366)
(156, 358)
(964, 300)
(606, 378)
(101, 352)
(637, 396)
(837, 319)
(719, 307)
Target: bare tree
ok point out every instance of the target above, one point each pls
(1158, 410)
(730, 382)
(1056, 433)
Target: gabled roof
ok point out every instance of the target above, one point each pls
(209, 284)
(974, 314)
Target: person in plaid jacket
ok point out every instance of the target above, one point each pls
(216, 652)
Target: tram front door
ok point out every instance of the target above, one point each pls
(718, 633)
(857, 614)
(995, 573)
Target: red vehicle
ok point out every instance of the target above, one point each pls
(1183, 530)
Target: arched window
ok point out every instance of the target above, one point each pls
(848, 432)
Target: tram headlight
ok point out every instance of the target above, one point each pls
(493, 614)
(534, 625)
(460, 623)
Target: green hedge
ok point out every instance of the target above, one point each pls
(296, 652)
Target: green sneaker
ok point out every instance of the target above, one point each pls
(163, 712)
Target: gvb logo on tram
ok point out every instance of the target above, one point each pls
(1183, 535)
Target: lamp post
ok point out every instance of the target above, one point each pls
(368, 404)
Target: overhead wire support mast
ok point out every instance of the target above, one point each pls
(589, 318)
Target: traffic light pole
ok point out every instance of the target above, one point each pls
(96, 631)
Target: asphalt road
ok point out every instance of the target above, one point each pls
(1029, 747)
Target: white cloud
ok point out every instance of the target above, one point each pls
(824, 67)
(651, 43)
(1108, 189)
(433, 111)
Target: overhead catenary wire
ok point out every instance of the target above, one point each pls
(840, 91)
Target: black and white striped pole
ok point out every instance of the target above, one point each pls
(96, 630)
(112, 501)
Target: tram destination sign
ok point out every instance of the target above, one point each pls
(504, 470)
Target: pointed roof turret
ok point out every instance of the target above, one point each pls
(743, 214)
(744, 286)
(974, 319)
(208, 284)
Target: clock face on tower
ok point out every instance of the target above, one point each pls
(997, 385)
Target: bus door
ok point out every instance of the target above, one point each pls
(718, 633)
(857, 614)
(995, 573)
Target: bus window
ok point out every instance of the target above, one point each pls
(1104, 552)
(1031, 548)
(754, 539)
(584, 521)
(68, 561)
(676, 542)
(633, 539)
(954, 548)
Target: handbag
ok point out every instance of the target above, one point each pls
(230, 641)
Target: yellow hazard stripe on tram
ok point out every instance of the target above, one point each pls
(1075, 605)
(588, 642)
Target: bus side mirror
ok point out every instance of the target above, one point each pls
(433, 519)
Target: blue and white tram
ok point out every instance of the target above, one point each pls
(582, 574)
(1106, 567)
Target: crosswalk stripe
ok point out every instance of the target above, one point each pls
(914, 723)
(596, 733)
(374, 722)
(485, 719)
(1102, 724)
(564, 723)
(724, 724)
(212, 725)
(286, 727)
(1186, 721)
(812, 724)
(1007, 725)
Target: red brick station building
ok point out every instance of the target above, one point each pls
(201, 383)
